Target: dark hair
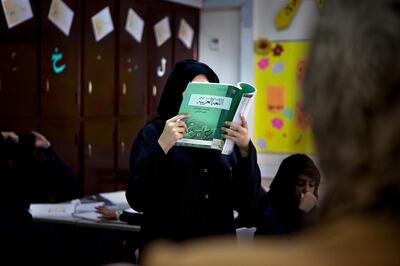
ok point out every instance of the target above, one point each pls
(352, 94)
(183, 72)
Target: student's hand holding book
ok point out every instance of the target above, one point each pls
(173, 131)
(239, 134)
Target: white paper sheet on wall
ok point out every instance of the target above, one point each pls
(102, 24)
(186, 33)
(16, 11)
(162, 31)
(61, 16)
(134, 25)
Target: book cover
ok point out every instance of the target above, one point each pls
(209, 106)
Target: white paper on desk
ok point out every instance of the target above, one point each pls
(88, 207)
(93, 216)
(56, 209)
(130, 210)
(117, 198)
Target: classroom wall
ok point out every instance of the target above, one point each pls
(301, 28)
(220, 46)
(256, 23)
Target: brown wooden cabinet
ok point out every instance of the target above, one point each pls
(60, 65)
(187, 15)
(19, 68)
(132, 63)
(90, 98)
(161, 57)
(98, 80)
(64, 137)
(98, 153)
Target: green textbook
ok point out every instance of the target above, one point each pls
(209, 106)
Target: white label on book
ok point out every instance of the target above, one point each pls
(211, 101)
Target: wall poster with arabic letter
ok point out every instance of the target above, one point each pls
(279, 123)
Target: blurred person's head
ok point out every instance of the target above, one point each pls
(352, 94)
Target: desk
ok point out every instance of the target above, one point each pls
(76, 221)
(87, 242)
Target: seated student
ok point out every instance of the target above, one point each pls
(291, 198)
(352, 94)
(30, 172)
(44, 175)
(289, 204)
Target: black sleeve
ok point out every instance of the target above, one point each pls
(61, 183)
(147, 172)
(247, 179)
(131, 218)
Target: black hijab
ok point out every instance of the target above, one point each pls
(183, 72)
(282, 187)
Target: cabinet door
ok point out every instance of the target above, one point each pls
(127, 131)
(98, 59)
(19, 126)
(60, 64)
(132, 57)
(185, 19)
(64, 138)
(98, 157)
(160, 54)
(18, 67)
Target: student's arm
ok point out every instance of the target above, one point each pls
(147, 173)
(61, 182)
(247, 178)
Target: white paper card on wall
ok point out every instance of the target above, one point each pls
(102, 24)
(16, 11)
(134, 25)
(61, 15)
(162, 31)
(186, 33)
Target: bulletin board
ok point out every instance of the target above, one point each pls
(279, 122)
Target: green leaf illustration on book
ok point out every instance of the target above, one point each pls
(209, 106)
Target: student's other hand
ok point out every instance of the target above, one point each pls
(106, 213)
(239, 133)
(40, 141)
(173, 131)
(10, 136)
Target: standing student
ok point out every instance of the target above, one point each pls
(352, 95)
(185, 192)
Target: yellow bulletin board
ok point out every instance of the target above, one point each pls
(279, 123)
